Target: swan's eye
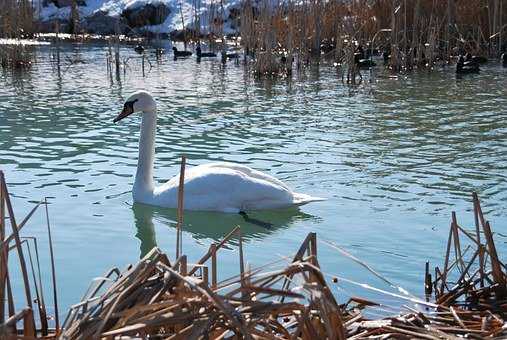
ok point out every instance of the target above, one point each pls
(129, 106)
(128, 109)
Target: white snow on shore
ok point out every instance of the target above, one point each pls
(114, 8)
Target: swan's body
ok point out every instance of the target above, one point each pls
(220, 186)
(223, 187)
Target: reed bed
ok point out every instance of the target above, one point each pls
(22, 324)
(16, 22)
(418, 33)
(287, 299)
(17, 19)
(16, 56)
(281, 35)
(168, 299)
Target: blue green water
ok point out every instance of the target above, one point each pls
(393, 158)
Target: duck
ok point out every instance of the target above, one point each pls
(231, 55)
(465, 68)
(386, 55)
(366, 63)
(217, 186)
(476, 59)
(201, 54)
(361, 60)
(327, 46)
(504, 59)
(139, 49)
(181, 53)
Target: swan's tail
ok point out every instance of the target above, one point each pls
(300, 199)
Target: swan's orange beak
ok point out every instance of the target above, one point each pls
(128, 109)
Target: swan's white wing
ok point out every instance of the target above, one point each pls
(248, 172)
(296, 198)
(228, 187)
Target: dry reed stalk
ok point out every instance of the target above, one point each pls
(17, 239)
(468, 285)
(8, 327)
(53, 268)
(423, 32)
(179, 225)
(39, 293)
(3, 254)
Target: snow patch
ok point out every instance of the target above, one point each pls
(114, 9)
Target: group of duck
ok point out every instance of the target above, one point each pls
(466, 63)
(198, 51)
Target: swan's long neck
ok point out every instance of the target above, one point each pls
(144, 184)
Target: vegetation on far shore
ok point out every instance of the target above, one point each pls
(414, 33)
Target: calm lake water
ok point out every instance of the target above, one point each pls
(393, 158)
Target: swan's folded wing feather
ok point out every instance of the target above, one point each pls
(248, 172)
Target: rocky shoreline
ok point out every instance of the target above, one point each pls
(149, 18)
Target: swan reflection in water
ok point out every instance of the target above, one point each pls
(213, 225)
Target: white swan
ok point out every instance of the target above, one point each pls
(220, 186)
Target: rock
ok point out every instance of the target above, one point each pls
(65, 3)
(181, 35)
(101, 23)
(146, 15)
(49, 26)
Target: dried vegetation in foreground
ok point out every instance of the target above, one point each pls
(287, 299)
(177, 300)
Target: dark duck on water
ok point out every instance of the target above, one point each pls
(463, 67)
(360, 58)
(139, 49)
(178, 54)
(201, 54)
(477, 59)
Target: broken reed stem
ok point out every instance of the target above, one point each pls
(53, 268)
(38, 291)
(216, 247)
(446, 262)
(179, 225)
(478, 289)
(39, 274)
(213, 248)
(241, 261)
(10, 296)
(478, 235)
(457, 246)
(495, 262)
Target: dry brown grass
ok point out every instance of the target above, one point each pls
(16, 19)
(422, 31)
(16, 56)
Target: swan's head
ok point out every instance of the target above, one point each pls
(140, 101)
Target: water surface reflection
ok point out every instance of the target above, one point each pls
(213, 225)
